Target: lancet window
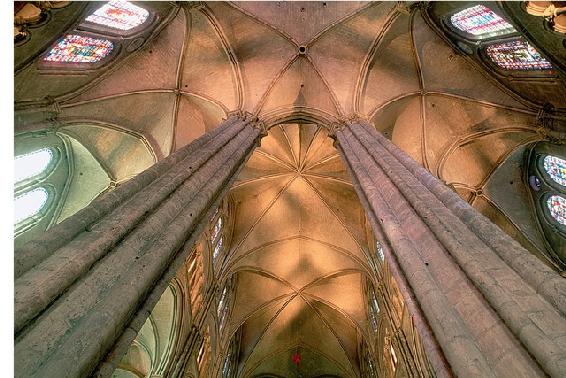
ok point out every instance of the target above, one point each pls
(379, 251)
(227, 365)
(195, 274)
(30, 203)
(230, 363)
(217, 235)
(33, 164)
(203, 355)
(224, 303)
(373, 308)
(369, 369)
(31, 196)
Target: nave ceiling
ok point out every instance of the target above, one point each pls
(299, 230)
(300, 236)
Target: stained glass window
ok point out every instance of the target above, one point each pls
(218, 247)
(79, 49)
(30, 203)
(216, 229)
(379, 250)
(374, 311)
(481, 22)
(375, 304)
(557, 206)
(33, 164)
(222, 298)
(517, 55)
(227, 365)
(119, 14)
(556, 168)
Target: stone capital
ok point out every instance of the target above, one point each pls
(355, 118)
(335, 127)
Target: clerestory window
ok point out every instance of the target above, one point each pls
(31, 196)
(119, 14)
(223, 306)
(555, 168)
(217, 236)
(74, 48)
(557, 206)
(116, 18)
(379, 250)
(480, 22)
(33, 164)
(30, 203)
(517, 55)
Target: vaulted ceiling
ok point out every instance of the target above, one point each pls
(300, 236)
(299, 239)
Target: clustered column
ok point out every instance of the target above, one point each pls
(80, 286)
(494, 309)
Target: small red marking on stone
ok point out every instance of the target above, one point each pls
(296, 358)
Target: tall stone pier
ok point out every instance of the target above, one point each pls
(494, 309)
(87, 284)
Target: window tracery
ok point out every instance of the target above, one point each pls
(481, 22)
(557, 207)
(74, 48)
(119, 14)
(517, 55)
(555, 167)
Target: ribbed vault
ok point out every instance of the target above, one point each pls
(299, 243)
(379, 60)
(299, 235)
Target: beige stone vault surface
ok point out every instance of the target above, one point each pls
(298, 247)
(300, 240)
(378, 60)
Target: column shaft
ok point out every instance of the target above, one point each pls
(35, 251)
(468, 293)
(76, 299)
